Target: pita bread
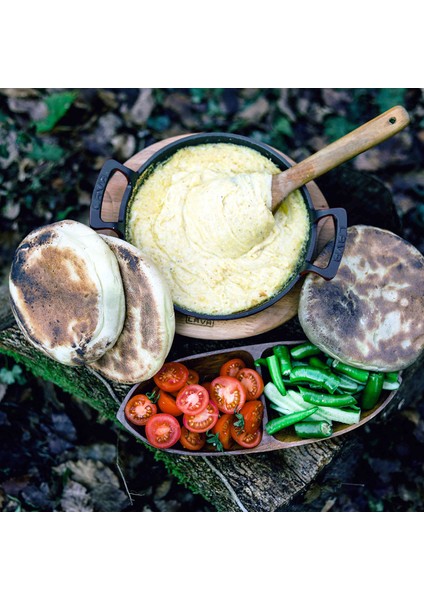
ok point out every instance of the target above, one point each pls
(149, 326)
(371, 314)
(66, 292)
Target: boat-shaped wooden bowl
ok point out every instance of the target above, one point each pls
(208, 365)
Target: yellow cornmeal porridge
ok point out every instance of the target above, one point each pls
(203, 217)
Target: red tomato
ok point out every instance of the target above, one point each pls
(252, 381)
(253, 412)
(231, 367)
(223, 429)
(167, 404)
(162, 430)
(171, 377)
(139, 409)
(192, 440)
(193, 377)
(202, 421)
(192, 399)
(244, 439)
(228, 394)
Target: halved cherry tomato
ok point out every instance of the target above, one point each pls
(223, 429)
(192, 399)
(193, 377)
(162, 430)
(192, 440)
(139, 409)
(202, 421)
(167, 404)
(244, 439)
(228, 394)
(171, 377)
(253, 412)
(232, 367)
(252, 381)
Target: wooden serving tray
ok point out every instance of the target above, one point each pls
(208, 365)
(227, 329)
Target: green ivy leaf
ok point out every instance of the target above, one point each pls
(336, 127)
(58, 105)
(388, 97)
(46, 152)
(14, 375)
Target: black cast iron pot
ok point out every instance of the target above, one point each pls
(136, 178)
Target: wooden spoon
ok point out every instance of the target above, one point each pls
(368, 135)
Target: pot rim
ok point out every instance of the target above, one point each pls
(281, 162)
(136, 178)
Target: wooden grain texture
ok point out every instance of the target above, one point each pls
(261, 322)
(359, 140)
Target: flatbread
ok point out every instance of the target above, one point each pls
(66, 292)
(371, 314)
(149, 326)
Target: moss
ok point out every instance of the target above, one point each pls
(75, 381)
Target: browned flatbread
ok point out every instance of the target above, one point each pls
(371, 314)
(149, 325)
(66, 292)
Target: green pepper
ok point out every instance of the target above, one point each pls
(314, 361)
(275, 374)
(357, 374)
(392, 376)
(304, 351)
(313, 429)
(326, 399)
(273, 365)
(281, 422)
(261, 362)
(372, 390)
(283, 355)
(314, 376)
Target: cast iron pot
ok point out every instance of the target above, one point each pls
(136, 178)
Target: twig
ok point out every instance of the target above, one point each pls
(227, 485)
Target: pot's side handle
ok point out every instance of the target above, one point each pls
(340, 217)
(109, 168)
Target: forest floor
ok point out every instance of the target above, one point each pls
(56, 454)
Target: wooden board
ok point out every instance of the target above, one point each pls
(261, 322)
(207, 365)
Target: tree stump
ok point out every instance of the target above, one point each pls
(262, 482)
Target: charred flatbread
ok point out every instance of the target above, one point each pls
(149, 325)
(66, 292)
(371, 314)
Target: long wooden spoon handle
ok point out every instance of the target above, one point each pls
(364, 137)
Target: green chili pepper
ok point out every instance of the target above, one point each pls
(275, 374)
(260, 362)
(347, 384)
(283, 355)
(392, 376)
(372, 390)
(281, 422)
(314, 429)
(304, 350)
(314, 361)
(326, 399)
(312, 375)
(357, 374)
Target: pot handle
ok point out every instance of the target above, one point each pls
(109, 168)
(340, 217)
